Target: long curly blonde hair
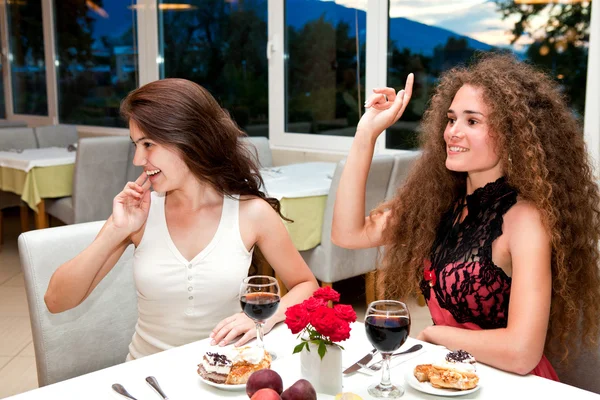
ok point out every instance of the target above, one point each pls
(541, 144)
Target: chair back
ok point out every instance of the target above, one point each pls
(402, 165)
(100, 174)
(339, 263)
(56, 135)
(133, 172)
(12, 124)
(17, 139)
(260, 149)
(94, 335)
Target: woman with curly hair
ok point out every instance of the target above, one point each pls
(498, 222)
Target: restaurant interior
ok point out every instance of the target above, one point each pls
(294, 76)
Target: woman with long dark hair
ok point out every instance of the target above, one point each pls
(498, 222)
(195, 235)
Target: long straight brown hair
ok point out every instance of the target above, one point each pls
(183, 115)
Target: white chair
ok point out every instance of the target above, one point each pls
(403, 163)
(56, 135)
(94, 335)
(330, 263)
(101, 169)
(260, 149)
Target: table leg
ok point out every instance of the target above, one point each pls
(24, 218)
(41, 218)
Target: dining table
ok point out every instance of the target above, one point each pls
(176, 372)
(302, 191)
(38, 174)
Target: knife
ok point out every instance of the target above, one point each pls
(356, 366)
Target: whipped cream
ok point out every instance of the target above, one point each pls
(216, 363)
(459, 360)
(248, 354)
(459, 366)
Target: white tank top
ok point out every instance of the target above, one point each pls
(181, 301)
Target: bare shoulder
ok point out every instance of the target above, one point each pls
(524, 218)
(255, 209)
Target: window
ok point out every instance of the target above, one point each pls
(26, 57)
(325, 45)
(96, 53)
(552, 35)
(220, 44)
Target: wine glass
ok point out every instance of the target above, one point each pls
(387, 323)
(259, 298)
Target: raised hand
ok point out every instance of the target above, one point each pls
(384, 108)
(131, 206)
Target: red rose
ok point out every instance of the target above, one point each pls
(345, 312)
(327, 294)
(296, 318)
(341, 333)
(325, 322)
(312, 304)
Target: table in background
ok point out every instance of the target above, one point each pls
(176, 372)
(302, 191)
(38, 174)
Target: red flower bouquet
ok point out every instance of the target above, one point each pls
(316, 322)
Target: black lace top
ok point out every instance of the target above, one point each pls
(462, 279)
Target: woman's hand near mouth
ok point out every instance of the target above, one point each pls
(131, 206)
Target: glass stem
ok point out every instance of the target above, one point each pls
(385, 371)
(259, 336)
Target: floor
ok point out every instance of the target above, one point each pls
(17, 359)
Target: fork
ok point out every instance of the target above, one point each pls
(377, 366)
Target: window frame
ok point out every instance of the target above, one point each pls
(375, 76)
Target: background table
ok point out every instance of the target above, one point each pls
(302, 190)
(175, 370)
(36, 174)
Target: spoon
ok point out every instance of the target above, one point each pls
(117, 387)
(154, 383)
(377, 366)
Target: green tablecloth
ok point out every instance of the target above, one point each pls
(39, 183)
(307, 212)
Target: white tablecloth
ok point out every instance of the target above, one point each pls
(298, 180)
(30, 158)
(175, 370)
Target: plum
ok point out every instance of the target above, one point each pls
(301, 390)
(264, 379)
(265, 394)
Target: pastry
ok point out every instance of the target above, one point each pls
(233, 366)
(456, 371)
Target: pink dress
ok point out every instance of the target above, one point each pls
(462, 286)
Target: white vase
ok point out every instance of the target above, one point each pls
(324, 374)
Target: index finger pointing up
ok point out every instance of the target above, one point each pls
(141, 179)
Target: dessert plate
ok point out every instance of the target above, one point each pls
(426, 387)
(223, 386)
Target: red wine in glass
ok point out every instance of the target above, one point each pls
(259, 306)
(259, 298)
(387, 333)
(387, 325)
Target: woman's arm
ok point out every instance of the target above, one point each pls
(519, 347)
(350, 228)
(73, 281)
(276, 245)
